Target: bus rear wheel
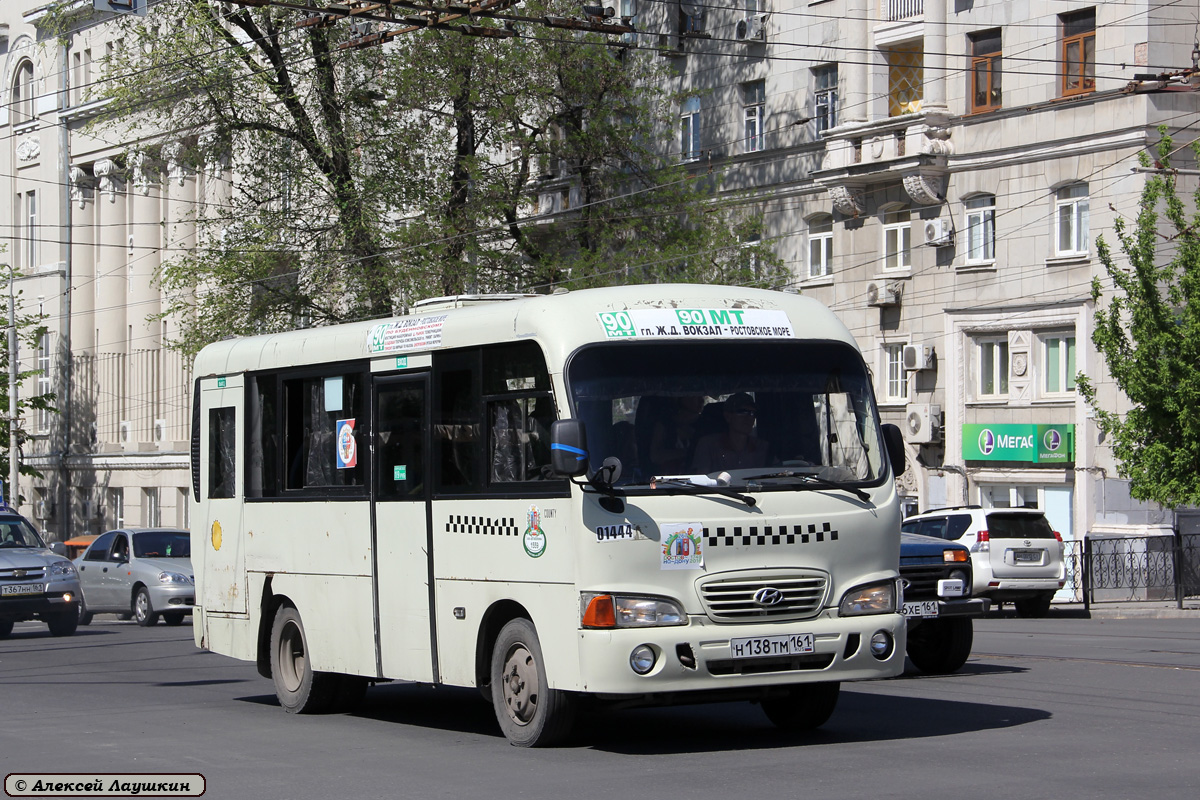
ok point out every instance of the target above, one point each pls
(530, 713)
(804, 707)
(300, 690)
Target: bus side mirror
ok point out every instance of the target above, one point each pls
(568, 447)
(893, 440)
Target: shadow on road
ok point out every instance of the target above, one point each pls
(860, 717)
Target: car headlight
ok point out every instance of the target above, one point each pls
(626, 611)
(173, 577)
(873, 598)
(62, 569)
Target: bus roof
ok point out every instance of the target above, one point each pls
(560, 322)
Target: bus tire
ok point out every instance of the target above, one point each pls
(530, 713)
(940, 646)
(805, 706)
(300, 690)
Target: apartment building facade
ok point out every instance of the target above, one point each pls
(937, 173)
(88, 228)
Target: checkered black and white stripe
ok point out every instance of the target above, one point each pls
(504, 526)
(770, 534)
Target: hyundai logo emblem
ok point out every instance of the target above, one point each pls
(768, 596)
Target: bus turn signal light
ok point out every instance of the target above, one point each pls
(600, 613)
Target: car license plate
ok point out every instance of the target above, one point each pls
(761, 646)
(21, 588)
(1027, 556)
(922, 608)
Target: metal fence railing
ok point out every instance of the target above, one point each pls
(1125, 569)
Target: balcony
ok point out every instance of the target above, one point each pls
(911, 149)
(897, 10)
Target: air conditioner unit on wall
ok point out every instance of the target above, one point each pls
(918, 356)
(938, 232)
(922, 423)
(751, 29)
(883, 294)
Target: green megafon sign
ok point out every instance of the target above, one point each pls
(1035, 444)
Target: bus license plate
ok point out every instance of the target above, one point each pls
(922, 609)
(21, 588)
(761, 646)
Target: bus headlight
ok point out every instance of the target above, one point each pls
(629, 611)
(873, 598)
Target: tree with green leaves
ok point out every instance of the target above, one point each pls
(438, 163)
(1149, 337)
(30, 331)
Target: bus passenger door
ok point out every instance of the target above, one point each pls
(401, 529)
(218, 556)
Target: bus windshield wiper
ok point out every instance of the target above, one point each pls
(692, 487)
(813, 481)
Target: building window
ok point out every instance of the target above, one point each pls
(43, 381)
(820, 246)
(27, 221)
(116, 508)
(993, 367)
(753, 99)
(81, 76)
(825, 94)
(985, 71)
(629, 17)
(1071, 221)
(905, 80)
(896, 388)
(1008, 496)
(690, 129)
(981, 229)
(691, 18)
(22, 93)
(1058, 363)
(1078, 52)
(897, 239)
(152, 514)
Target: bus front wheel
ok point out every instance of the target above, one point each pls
(530, 713)
(805, 706)
(300, 690)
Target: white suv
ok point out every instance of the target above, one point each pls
(1015, 554)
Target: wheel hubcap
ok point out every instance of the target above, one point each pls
(143, 606)
(519, 684)
(291, 657)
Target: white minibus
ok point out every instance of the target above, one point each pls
(633, 495)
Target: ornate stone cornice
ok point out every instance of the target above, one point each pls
(849, 200)
(109, 174)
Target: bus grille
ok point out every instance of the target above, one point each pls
(737, 598)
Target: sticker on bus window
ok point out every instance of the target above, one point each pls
(347, 447)
(400, 473)
(535, 538)
(682, 545)
(410, 333)
(696, 323)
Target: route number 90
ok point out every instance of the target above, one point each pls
(618, 324)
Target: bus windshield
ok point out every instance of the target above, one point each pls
(766, 412)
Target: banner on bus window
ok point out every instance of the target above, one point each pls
(410, 333)
(696, 323)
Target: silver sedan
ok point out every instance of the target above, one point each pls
(146, 572)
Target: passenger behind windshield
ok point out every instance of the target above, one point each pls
(738, 446)
(673, 441)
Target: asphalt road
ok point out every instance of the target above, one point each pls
(1049, 708)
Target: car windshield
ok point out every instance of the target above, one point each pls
(776, 413)
(17, 532)
(162, 544)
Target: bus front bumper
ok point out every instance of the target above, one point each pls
(701, 655)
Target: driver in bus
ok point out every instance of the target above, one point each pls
(737, 447)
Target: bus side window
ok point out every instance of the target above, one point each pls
(222, 447)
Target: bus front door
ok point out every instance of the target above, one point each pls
(403, 544)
